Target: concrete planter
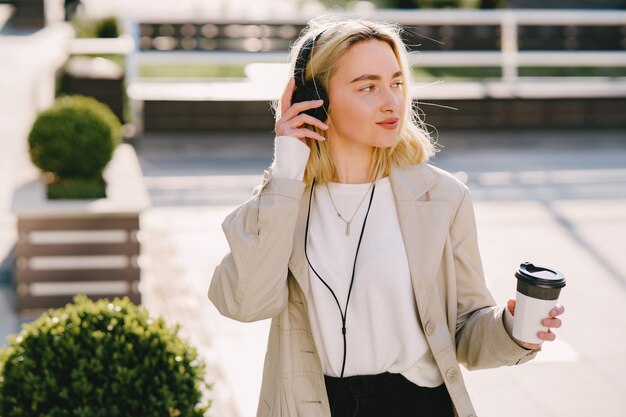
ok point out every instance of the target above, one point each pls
(66, 247)
(97, 77)
(88, 72)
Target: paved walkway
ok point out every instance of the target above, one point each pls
(556, 198)
(550, 197)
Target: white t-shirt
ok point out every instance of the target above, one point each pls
(383, 330)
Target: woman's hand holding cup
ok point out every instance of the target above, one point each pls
(291, 121)
(538, 290)
(551, 322)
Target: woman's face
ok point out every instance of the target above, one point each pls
(366, 96)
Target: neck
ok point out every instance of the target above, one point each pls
(352, 164)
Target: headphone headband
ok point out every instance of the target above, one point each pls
(309, 90)
(299, 71)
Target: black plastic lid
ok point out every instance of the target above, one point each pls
(540, 276)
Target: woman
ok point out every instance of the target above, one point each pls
(364, 256)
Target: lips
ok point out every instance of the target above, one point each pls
(390, 123)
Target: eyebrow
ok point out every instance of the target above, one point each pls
(373, 77)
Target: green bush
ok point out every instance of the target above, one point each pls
(100, 359)
(95, 28)
(72, 188)
(83, 28)
(75, 138)
(107, 28)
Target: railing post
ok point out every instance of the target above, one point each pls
(509, 47)
(132, 27)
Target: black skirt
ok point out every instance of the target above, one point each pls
(385, 395)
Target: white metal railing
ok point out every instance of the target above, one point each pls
(122, 45)
(509, 57)
(437, 17)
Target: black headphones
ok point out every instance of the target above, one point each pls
(309, 89)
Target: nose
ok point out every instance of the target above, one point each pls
(392, 100)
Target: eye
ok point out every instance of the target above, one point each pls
(398, 84)
(367, 88)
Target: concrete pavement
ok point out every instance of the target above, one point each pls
(554, 197)
(563, 206)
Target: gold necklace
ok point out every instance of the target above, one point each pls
(347, 222)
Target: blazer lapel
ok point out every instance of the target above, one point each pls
(297, 262)
(424, 224)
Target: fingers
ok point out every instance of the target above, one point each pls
(532, 346)
(552, 323)
(548, 336)
(304, 133)
(511, 306)
(300, 107)
(283, 126)
(292, 120)
(294, 127)
(557, 311)
(303, 118)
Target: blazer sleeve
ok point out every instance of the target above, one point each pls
(250, 283)
(481, 338)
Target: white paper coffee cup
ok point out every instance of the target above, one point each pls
(538, 290)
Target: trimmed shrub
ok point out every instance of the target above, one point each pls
(100, 359)
(95, 28)
(107, 28)
(75, 138)
(72, 188)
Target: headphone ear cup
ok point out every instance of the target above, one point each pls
(308, 92)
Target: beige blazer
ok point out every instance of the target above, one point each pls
(265, 275)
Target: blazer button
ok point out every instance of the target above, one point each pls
(452, 375)
(430, 328)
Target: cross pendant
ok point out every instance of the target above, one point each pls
(347, 228)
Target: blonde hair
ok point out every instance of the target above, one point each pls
(414, 143)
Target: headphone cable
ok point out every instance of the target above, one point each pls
(341, 312)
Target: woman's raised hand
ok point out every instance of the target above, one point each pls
(291, 121)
